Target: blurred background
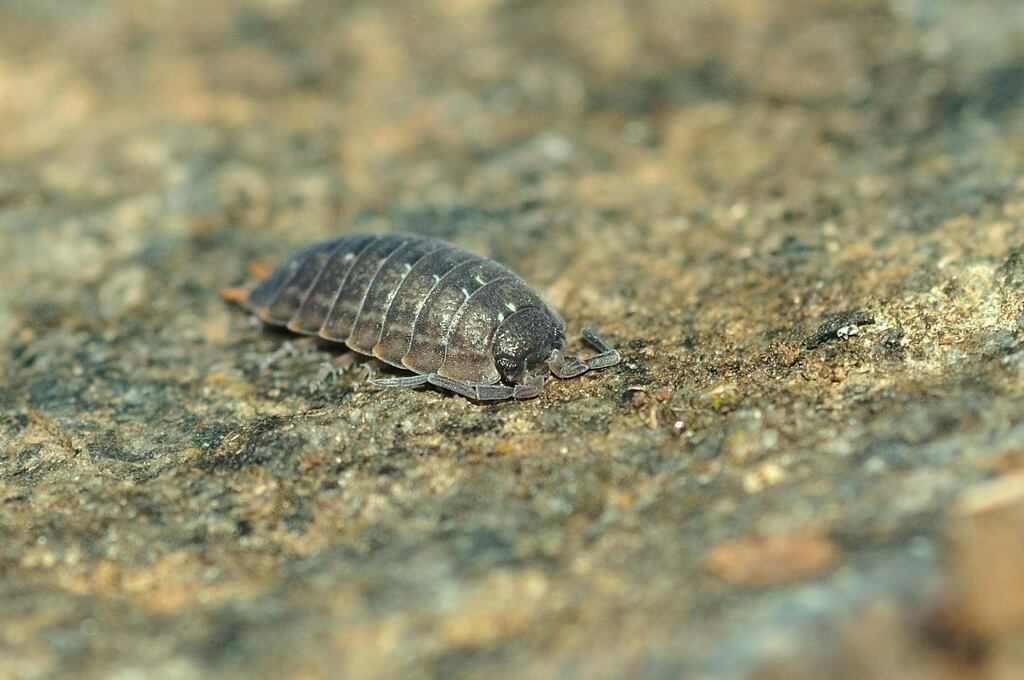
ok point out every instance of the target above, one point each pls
(801, 222)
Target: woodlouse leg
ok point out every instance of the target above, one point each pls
(327, 369)
(476, 392)
(404, 381)
(334, 367)
(289, 348)
(529, 389)
(565, 368)
(345, 360)
(606, 355)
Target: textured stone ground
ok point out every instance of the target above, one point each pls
(801, 221)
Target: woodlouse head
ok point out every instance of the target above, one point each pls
(523, 342)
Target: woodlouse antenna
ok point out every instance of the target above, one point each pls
(564, 367)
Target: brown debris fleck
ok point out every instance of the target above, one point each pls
(989, 553)
(772, 560)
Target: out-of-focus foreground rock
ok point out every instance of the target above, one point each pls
(802, 222)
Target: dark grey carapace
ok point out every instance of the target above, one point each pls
(458, 320)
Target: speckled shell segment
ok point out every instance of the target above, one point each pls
(440, 309)
(321, 296)
(475, 323)
(411, 301)
(412, 293)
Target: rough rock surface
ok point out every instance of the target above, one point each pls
(801, 221)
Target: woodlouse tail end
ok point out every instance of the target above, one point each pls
(259, 270)
(238, 295)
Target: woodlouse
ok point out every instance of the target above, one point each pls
(459, 321)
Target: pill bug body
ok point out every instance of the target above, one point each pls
(457, 320)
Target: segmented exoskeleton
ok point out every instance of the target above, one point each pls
(457, 320)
